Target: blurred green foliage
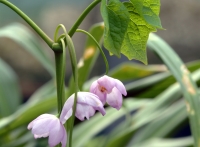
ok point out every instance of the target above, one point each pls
(152, 113)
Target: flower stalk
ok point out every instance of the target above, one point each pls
(99, 47)
(75, 74)
(55, 46)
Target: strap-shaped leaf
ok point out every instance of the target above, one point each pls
(173, 115)
(31, 109)
(98, 123)
(131, 71)
(10, 95)
(182, 75)
(169, 142)
(24, 37)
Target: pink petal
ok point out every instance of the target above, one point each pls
(41, 127)
(67, 109)
(101, 109)
(94, 86)
(91, 99)
(101, 95)
(30, 125)
(106, 82)
(49, 125)
(64, 139)
(91, 112)
(114, 98)
(41, 135)
(56, 133)
(68, 115)
(80, 113)
(83, 111)
(120, 86)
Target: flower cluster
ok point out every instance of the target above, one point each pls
(105, 89)
(109, 90)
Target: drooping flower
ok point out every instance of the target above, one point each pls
(87, 104)
(49, 125)
(109, 90)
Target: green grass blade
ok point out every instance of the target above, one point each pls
(42, 101)
(151, 86)
(99, 122)
(182, 75)
(160, 142)
(24, 37)
(10, 94)
(130, 71)
(163, 125)
(150, 112)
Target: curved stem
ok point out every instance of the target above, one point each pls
(75, 74)
(60, 58)
(55, 46)
(100, 49)
(82, 17)
(30, 22)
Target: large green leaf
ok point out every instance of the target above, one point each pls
(149, 10)
(138, 4)
(10, 95)
(127, 32)
(135, 39)
(23, 36)
(116, 19)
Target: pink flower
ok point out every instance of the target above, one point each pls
(87, 103)
(49, 125)
(109, 90)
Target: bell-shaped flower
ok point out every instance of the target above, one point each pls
(49, 125)
(87, 104)
(109, 90)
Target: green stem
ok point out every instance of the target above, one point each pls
(75, 73)
(60, 58)
(100, 49)
(30, 22)
(82, 17)
(55, 46)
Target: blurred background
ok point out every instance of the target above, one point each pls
(181, 19)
